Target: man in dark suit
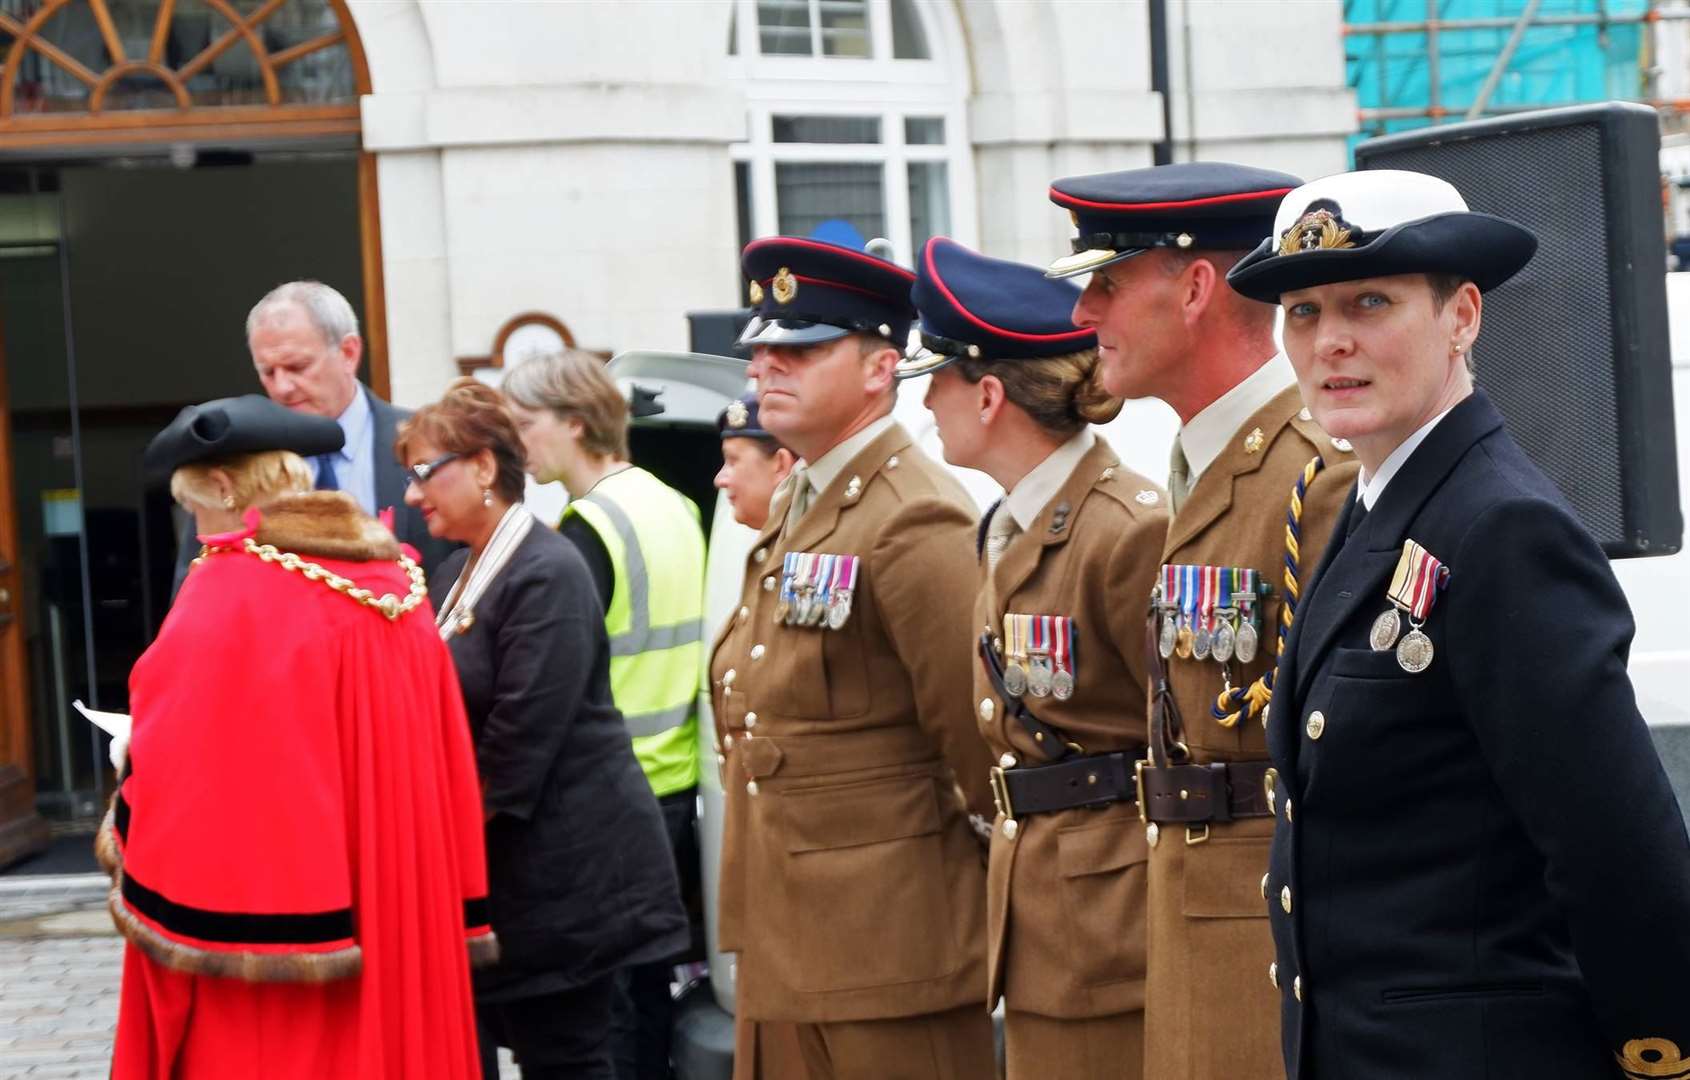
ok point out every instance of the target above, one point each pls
(1478, 868)
(305, 346)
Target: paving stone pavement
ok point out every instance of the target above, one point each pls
(60, 968)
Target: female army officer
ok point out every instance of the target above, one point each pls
(1065, 560)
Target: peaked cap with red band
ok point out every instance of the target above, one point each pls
(1195, 205)
(805, 292)
(989, 309)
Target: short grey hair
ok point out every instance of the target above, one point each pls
(328, 311)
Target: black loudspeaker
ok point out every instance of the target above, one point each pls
(1574, 349)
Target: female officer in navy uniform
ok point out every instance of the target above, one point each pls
(1066, 558)
(1479, 869)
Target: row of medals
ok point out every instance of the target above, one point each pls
(1234, 631)
(1036, 672)
(804, 602)
(1414, 649)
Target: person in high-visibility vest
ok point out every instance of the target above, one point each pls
(644, 547)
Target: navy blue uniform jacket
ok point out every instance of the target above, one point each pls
(1486, 872)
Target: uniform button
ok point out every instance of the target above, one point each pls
(1285, 898)
(1265, 885)
(721, 759)
(1317, 724)
(1297, 988)
(987, 709)
(745, 613)
(757, 651)
(729, 676)
(1287, 809)
(751, 787)
(750, 719)
(1273, 974)
(727, 742)
(769, 583)
(1010, 828)
(1007, 762)
(760, 554)
(1152, 834)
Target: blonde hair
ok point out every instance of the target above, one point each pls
(575, 384)
(256, 478)
(1062, 394)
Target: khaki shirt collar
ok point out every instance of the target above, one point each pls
(826, 469)
(1211, 430)
(1029, 497)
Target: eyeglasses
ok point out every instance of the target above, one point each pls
(419, 474)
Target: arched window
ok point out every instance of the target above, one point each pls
(857, 124)
(117, 66)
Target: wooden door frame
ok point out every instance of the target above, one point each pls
(16, 739)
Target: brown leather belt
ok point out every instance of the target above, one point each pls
(1094, 780)
(1195, 794)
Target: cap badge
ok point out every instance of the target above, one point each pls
(1319, 229)
(1254, 441)
(738, 414)
(1184, 240)
(784, 286)
(754, 292)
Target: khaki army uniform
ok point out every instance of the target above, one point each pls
(1211, 1013)
(1065, 901)
(852, 885)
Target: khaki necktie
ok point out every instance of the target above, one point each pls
(1179, 476)
(801, 488)
(999, 532)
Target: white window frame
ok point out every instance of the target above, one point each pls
(891, 90)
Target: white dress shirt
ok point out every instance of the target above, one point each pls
(354, 463)
(1369, 488)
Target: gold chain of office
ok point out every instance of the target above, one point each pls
(388, 604)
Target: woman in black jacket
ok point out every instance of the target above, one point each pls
(580, 880)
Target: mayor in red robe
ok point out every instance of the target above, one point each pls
(296, 841)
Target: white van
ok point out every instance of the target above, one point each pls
(681, 446)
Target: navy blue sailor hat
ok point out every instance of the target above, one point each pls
(248, 424)
(805, 292)
(1194, 205)
(1377, 223)
(740, 420)
(989, 309)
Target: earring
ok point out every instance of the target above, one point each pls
(228, 502)
(982, 418)
(486, 496)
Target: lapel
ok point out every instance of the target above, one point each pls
(846, 491)
(1357, 576)
(1213, 494)
(384, 429)
(1053, 526)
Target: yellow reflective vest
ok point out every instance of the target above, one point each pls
(656, 617)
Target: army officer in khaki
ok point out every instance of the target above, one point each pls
(1060, 684)
(1157, 243)
(852, 883)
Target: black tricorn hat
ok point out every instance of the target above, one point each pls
(248, 424)
(1378, 223)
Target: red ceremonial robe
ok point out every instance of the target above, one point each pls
(296, 845)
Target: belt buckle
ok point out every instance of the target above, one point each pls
(1000, 794)
(1138, 783)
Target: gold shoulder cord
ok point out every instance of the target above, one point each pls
(388, 604)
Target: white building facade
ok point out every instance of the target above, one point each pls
(603, 162)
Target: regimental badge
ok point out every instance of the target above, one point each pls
(738, 415)
(1254, 441)
(1320, 229)
(1415, 585)
(1147, 497)
(784, 286)
(754, 292)
(1342, 445)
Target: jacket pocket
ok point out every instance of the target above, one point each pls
(1223, 876)
(864, 877)
(1464, 992)
(1102, 867)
